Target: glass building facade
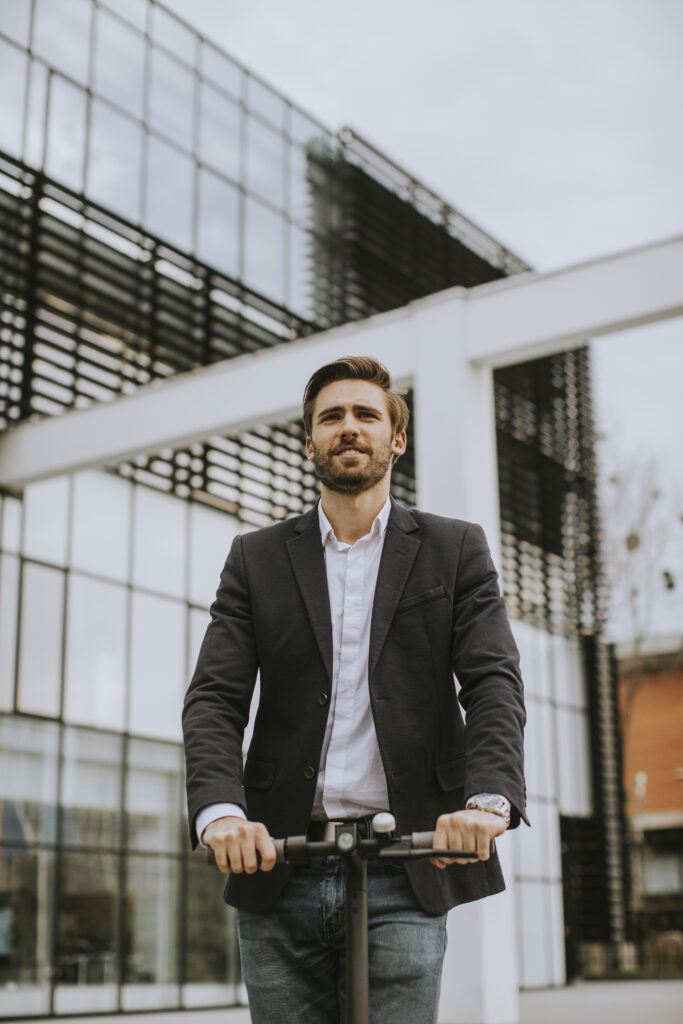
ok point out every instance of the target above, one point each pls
(162, 209)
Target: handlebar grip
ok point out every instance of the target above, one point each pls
(422, 840)
(280, 851)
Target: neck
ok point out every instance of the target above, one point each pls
(352, 515)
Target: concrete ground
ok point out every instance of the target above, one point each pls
(593, 1002)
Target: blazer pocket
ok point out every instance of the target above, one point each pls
(259, 774)
(451, 774)
(417, 600)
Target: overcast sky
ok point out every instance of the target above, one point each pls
(554, 125)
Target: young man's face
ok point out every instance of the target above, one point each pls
(352, 443)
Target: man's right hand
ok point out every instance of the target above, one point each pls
(235, 843)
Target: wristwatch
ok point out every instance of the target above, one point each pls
(491, 802)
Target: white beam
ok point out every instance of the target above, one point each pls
(235, 395)
(508, 321)
(532, 315)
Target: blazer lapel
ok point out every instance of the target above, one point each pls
(308, 564)
(398, 555)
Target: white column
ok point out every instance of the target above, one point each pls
(454, 432)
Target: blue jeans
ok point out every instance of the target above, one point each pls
(293, 954)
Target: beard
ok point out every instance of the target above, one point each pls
(347, 479)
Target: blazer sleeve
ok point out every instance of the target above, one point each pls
(486, 663)
(216, 708)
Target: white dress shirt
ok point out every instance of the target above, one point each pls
(351, 781)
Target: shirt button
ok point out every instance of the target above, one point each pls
(309, 771)
(323, 699)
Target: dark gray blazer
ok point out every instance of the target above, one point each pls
(437, 610)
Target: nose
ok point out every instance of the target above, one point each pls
(349, 427)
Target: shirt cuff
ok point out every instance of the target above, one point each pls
(214, 811)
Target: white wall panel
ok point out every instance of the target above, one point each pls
(567, 671)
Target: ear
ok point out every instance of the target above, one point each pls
(399, 444)
(309, 449)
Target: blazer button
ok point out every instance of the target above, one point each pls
(323, 699)
(309, 771)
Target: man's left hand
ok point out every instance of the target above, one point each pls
(466, 830)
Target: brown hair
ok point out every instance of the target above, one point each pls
(356, 368)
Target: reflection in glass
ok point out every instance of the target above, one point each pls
(15, 20)
(300, 298)
(12, 96)
(114, 170)
(171, 98)
(26, 877)
(149, 948)
(101, 508)
(28, 779)
(220, 69)
(86, 971)
(218, 225)
(40, 641)
(169, 193)
(158, 679)
(34, 152)
(66, 133)
(91, 788)
(160, 541)
(264, 250)
(300, 189)
(95, 672)
(119, 62)
(46, 510)
(211, 534)
(9, 607)
(219, 132)
(154, 796)
(265, 162)
(172, 34)
(61, 35)
(265, 102)
(212, 965)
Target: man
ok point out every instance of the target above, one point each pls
(357, 614)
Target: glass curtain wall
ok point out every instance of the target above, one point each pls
(104, 594)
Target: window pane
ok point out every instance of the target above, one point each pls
(15, 19)
(219, 132)
(222, 70)
(150, 962)
(263, 101)
(172, 34)
(134, 11)
(211, 535)
(119, 63)
(11, 524)
(199, 620)
(9, 607)
(87, 928)
(26, 878)
(66, 133)
(91, 788)
(158, 666)
(40, 644)
(169, 193)
(212, 965)
(115, 167)
(265, 162)
(12, 97)
(28, 779)
(171, 98)
(101, 510)
(264, 256)
(61, 34)
(160, 528)
(218, 228)
(46, 507)
(154, 796)
(301, 272)
(35, 115)
(95, 674)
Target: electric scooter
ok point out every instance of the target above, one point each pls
(355, 852)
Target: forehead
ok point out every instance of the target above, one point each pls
(349, 393)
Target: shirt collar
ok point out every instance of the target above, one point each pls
(379, 523)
